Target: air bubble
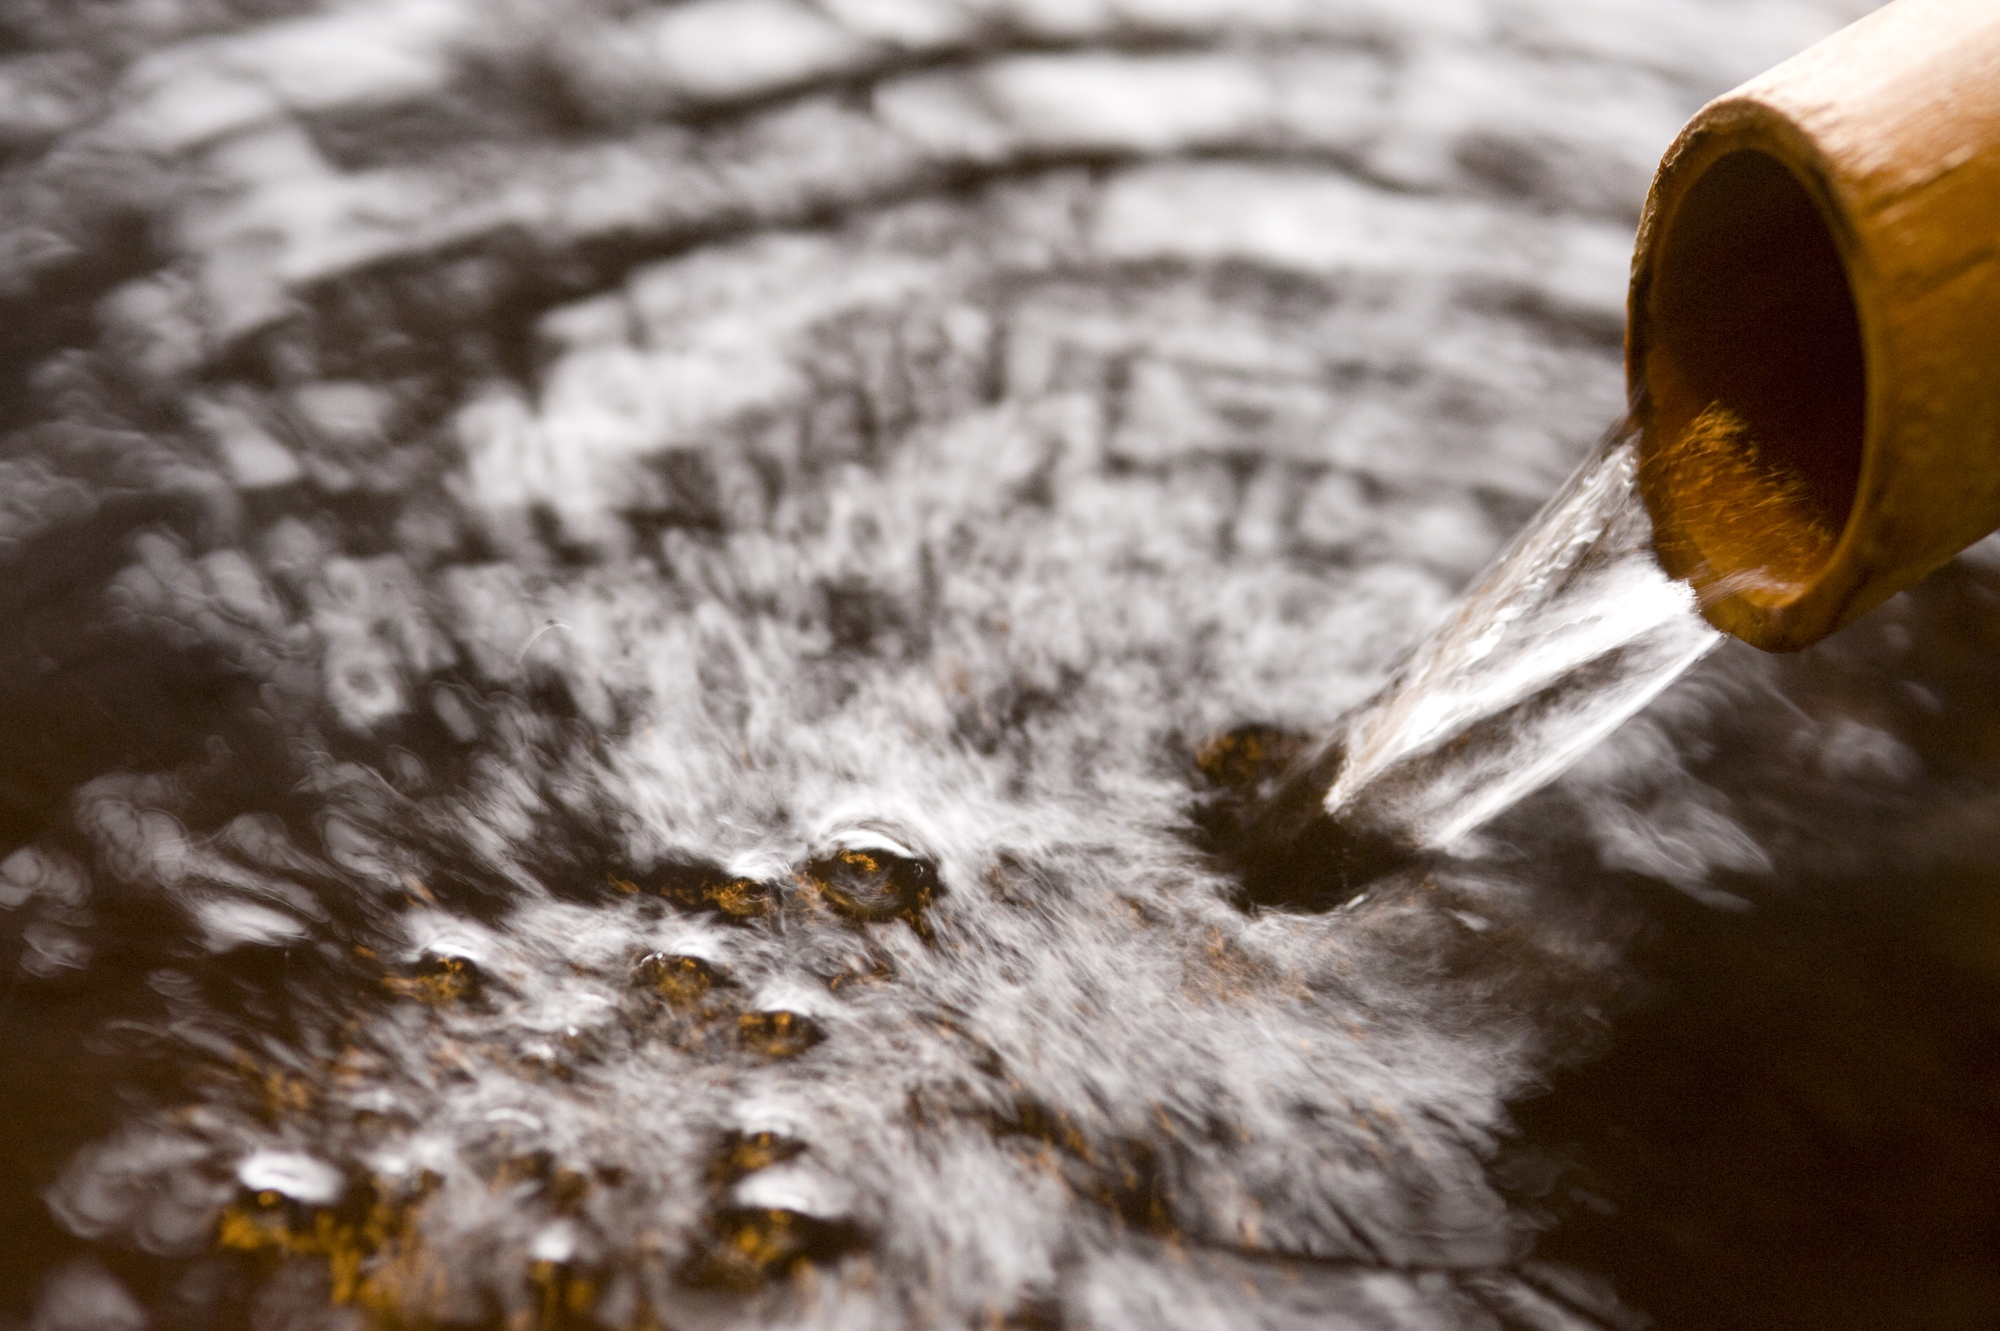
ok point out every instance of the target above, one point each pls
(682, 980)
(292, 1174)
(875, 886)
(750, 1247)
(780, 1034)
(442, 974)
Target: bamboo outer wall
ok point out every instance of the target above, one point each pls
(1813, 335)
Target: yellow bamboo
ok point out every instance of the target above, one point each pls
(1813, 341)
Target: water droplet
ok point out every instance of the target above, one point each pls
(780, 1034)
(682, 980)
(707, 888)
(32, 871)
(442, 973)
(292, 1174)
(750, 1246)
(555, 1242)
(84, 1294)
(746, 1152)
(875, 885)
(795, 1188)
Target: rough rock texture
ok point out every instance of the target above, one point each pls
(615, 617)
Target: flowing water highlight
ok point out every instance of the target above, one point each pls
(1573, 629)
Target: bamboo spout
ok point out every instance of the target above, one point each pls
(1813, 340)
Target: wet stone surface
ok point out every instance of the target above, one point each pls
(638, 636)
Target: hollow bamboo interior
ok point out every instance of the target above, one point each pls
(1813, 344)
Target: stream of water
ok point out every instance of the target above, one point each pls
(1571, 630)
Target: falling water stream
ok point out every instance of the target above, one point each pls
(1572, 629)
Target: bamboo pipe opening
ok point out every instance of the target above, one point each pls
(1811, 344)
(1756, 379)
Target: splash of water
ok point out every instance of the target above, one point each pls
(1572, 630)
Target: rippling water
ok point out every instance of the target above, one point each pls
(628, 628)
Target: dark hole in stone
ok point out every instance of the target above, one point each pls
(745, 1153)
(440, 978)
(749, 1247)
(1259, 815)
(706, 887)
(683, 981)
(877, 886)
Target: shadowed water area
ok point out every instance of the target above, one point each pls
(639, 640)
